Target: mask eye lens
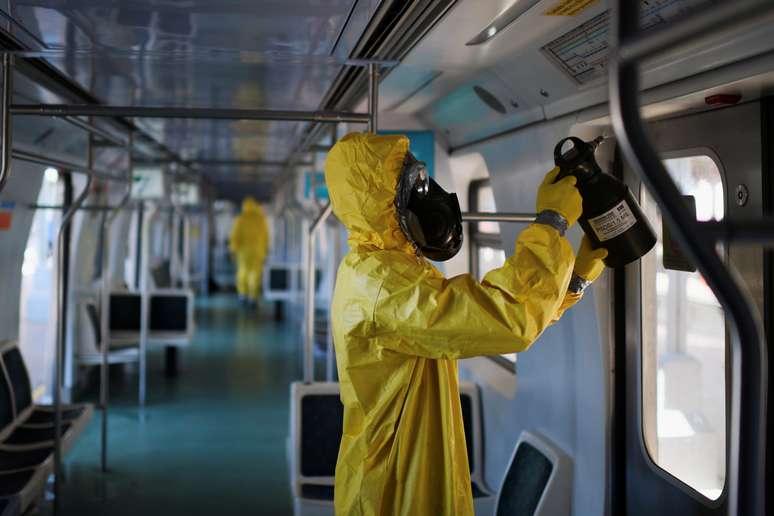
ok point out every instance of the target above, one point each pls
(422, 189)
(415, 172)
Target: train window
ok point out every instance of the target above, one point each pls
(38, 284)
(489, 258)
(684, 344)
(486, 252)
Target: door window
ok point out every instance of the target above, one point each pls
(486, 248)
(684, 343)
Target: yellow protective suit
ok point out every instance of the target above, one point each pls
(250, 243)
(399, 327)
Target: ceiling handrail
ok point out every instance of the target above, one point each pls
(207, 113)
(40, 159)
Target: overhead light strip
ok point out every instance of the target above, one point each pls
(502, 21)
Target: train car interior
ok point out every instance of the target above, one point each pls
(197, 317)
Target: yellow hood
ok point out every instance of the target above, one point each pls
(362, 176)
(250, 205)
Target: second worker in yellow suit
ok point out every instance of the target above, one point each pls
(400, 326)
(249, 242)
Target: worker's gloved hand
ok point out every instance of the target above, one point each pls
(560, 198)
(588, 266)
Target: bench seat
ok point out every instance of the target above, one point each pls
(27, 432)
(14, 460)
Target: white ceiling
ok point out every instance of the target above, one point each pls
(435, 81)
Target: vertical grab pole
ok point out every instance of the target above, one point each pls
(185, 259)
(144, 306)
(104, 372)
(186, 265)
(330, 366)
(5, 121)
(329, 352)
(749, 361)
(309, 291)
(61, 327)
(373, 109)
(373, 97)
(105, 344)
(174, 252)
(178, 260)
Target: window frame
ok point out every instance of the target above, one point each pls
(658, 469)
(476, 240)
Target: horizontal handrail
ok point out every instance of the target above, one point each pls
(276, 115)
(67, 165)
(95, 130)
(96, 207)
(476, 216)
(228, 162)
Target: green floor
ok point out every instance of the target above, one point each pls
(212, 441)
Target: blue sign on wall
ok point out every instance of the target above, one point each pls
(422, 147)
(321, 189)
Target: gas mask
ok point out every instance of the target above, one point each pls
(429, 216)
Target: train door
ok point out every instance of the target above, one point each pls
(674, 413)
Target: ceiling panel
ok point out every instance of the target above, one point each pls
(269, 54)
(197, 139)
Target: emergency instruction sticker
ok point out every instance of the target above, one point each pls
(569, 7)
(613, 222)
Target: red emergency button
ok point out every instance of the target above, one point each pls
(723, 99)
(5, 220)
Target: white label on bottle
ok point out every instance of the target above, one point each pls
(613, 222)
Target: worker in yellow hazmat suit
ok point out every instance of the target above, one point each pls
(399, 325)
(249, 242)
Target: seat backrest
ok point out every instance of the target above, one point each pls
(321, 416)
(538, 481)
(125, 312)
(279, 279)
(18, 378)
(169, 312)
